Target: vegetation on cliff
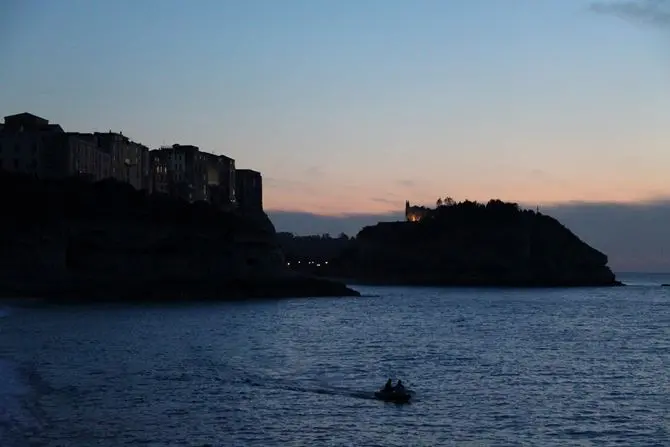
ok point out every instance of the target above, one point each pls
(74, 239)
(474, 244)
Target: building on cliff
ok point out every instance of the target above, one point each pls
(176, 171)
(106, 155)
(414, 213)
(129, 161)
(24, 140)
(220, 177)
(71, 153)
(186, 172)
(249, 190)
(31, 144)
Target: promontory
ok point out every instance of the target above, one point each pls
(76, 240)
(464, 244)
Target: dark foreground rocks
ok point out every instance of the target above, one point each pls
(72, 240)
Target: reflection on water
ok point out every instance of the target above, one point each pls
(542, 367)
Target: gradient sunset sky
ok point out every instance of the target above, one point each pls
(357, 105)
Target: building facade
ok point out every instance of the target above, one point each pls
(220, 178)
(24, 140)
(160, 180)
(184, 171)
(74, 154)
(249, 190)
(129, 161)
(32, 145)
(179, 171)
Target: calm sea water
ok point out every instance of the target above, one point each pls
(489, 367)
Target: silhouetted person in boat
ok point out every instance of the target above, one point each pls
(400, 388)
(388, 386)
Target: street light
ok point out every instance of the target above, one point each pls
(128, 163)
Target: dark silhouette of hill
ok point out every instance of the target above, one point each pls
(473, 244)
(633, 235)
(76, 240)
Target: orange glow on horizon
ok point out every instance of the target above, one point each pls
(358, 190)
(361, 204)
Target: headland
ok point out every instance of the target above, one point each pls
(90, 216)
(496, 244)
(74, 240)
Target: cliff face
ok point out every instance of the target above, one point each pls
(472, 244)
(77, 240)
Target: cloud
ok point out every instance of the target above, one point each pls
(313, 171)
(634, 236)
(540, 175)
(650, 12)
(384, 200)
(407, 183)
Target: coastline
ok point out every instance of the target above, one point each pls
(475, 284)
(111, 290)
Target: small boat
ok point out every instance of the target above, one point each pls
(397, 397)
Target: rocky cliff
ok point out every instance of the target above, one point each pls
(472, 244)
(75, 240)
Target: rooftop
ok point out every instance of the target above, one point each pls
(26, 115)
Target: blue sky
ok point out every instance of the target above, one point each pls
(355, 106)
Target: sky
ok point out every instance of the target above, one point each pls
(353, 106)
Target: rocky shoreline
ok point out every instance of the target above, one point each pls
(105, 291)
(471, 283)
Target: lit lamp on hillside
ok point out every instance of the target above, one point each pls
(128, 163)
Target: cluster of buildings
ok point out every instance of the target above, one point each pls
(32, 145)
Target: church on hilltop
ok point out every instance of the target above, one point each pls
(414, 213)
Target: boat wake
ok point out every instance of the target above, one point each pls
(283, 385)
(238, 377)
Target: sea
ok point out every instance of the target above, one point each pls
(488, 367)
